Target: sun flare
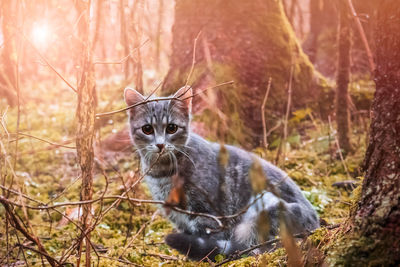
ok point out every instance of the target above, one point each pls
(41, 34)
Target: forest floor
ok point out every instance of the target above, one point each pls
(130, 233)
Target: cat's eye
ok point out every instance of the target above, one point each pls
(172, 128)
(147, 129)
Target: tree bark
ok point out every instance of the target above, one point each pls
(372, 234)
(244, 41)
(343, 77)
(86, 118)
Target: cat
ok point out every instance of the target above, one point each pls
(160, 132)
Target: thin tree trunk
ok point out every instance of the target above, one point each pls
(343, 76)
(86, 117)
(8, 59)
(136, 16)
(99, 23)
(124, 39)
(315, 29)
(158, 33)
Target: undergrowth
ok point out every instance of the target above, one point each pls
(50, 175)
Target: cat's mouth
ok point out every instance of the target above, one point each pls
(163, 157)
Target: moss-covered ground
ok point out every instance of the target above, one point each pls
(130, 233)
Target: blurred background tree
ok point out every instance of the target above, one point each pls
(371, 235)
(247, 42)
(9, 14)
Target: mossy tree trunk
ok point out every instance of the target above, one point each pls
(343, 77)
(247, 42)
(371, 237)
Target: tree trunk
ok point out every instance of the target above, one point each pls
(322, 33)
(311, 43)
(86, 117)
(372, 233)
(247, 42)
(343, 76)
(158, 33)
(8, 55)
(136, 28)
(124, 40)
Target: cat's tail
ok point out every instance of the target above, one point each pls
(201, 247)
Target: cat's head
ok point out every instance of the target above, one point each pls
(159, 126)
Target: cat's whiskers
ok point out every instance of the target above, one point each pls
(175, 163)
(172, 166)
(138, 150)
(186, 155)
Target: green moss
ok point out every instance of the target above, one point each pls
(47, 173)
(353, 249)
(318, 236)
(276, 258)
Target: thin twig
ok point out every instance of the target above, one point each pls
(43, 140)
(122, 60)
(48, 63)
(363, 37)
(154, 91)
(137, 233)
(339, 149)
(263, 113)
(17, 225)
(193, 59)
(289, 103)
(158, 99)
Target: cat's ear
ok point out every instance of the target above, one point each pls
(186, 94)
(132, 96)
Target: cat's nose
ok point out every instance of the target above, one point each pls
(160, 147)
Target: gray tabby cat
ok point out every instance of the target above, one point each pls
(160, 131)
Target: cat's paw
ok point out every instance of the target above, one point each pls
(178, 241)
(195, 247)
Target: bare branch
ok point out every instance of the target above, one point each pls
(159, 99)
(122, 60)
(363, 37)
(263, 113)
(193, 59)
(17, 225)
(43, 140)
(48, 63)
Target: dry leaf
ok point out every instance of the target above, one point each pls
(289, 243)
(263, 226)
(223, 156)
(177, 197)
(257, 177)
